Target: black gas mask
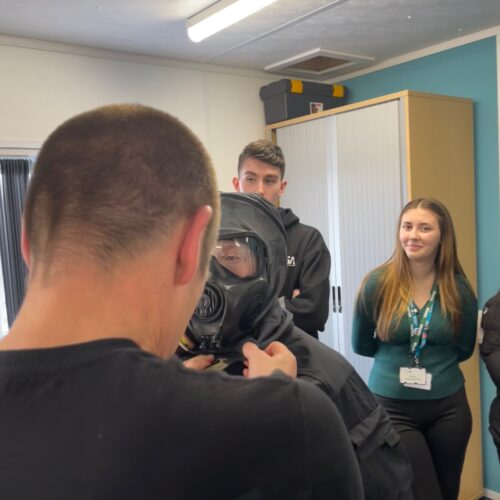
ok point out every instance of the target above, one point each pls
(247, 271)
(234, 295)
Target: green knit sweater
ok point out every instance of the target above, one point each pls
(440, 356)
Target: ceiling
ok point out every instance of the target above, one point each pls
(372, 30)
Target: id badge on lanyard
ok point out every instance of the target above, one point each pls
(415, 376)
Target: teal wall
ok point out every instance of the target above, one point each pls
(466, 71)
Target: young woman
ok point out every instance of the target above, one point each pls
(416, 315)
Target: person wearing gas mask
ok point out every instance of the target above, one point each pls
(240, 303)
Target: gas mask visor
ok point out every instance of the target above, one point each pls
(238, 258)
(233, 297)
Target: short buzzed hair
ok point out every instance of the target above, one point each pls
(265, 151)
(111, 182)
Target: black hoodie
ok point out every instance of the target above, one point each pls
(308, 271)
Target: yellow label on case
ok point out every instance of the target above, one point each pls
(297, 86)
(337, 90)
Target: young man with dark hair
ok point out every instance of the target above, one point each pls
(120, 219)
(305, 293)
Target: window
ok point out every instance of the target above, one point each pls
(4, 327)
(14, 176)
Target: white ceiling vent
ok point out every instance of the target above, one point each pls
(319, 64)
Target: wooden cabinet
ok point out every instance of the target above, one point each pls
(351, 169)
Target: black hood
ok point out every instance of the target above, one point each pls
(243, 213)
(288, 217)
(231, 313)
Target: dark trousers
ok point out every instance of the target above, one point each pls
(435, 433)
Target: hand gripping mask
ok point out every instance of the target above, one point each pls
(247, 271)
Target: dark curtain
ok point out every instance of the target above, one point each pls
(14, 174)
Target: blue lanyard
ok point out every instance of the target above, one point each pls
(420, 330)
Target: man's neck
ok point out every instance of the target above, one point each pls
(89, 305)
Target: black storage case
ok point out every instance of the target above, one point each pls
(285, 99)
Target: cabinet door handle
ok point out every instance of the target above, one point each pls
(334, 300)
(340, 299)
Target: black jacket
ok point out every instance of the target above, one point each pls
(384, 464)
(308, 271)
(490, 353)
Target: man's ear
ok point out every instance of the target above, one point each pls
(188, 256)
(282, 187)
(236, 184)
(25, 246)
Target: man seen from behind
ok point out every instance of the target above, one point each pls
(119, 224)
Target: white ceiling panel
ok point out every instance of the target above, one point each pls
(379, 29)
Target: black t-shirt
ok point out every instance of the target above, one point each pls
(105, 420)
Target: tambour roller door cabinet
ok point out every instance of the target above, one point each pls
(351, 169)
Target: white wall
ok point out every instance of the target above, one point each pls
(41, 87)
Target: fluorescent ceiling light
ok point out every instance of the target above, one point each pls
(221, 15)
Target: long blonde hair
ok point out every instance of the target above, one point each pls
(393, 291)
